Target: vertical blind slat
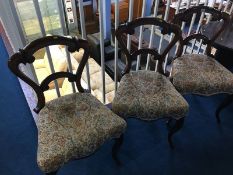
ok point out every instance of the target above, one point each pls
(42, 28)
(84, 36)
(167, 10)
(116, 44)
(22, 38)
(65, 32)
(131, 5)
(141, 35)
(155, 13)
(101, 23)
(199, 25)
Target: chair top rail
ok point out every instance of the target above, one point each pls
(25, 56)
(216, 15)
(129, 28)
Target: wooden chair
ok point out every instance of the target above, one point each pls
(149, 95)
(72, 126)
(200, 73)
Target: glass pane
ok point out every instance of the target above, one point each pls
(28, 19)
(51, 18)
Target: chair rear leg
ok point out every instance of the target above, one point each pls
(173, 129)
(116, 147)
(227, 101)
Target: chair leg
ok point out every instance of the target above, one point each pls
(173, 129)
(227, 101)
(115, 149)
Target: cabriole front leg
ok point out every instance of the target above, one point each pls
(115, 149)
(173, 129)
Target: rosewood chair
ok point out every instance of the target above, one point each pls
(149, 95)
(194, 73)
(72, 126)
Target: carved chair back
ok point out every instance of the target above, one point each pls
(25, 56)
(187, 15)
(129, 28)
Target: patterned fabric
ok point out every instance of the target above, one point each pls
(74, 126)
(148, 95)
(200, 74)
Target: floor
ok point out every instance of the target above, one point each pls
(17, 128)
(202, 147)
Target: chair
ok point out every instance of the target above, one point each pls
(200, 73)
(72, 126)
(149, 95)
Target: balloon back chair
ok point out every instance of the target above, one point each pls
(201, 74)
(149, 95)
(72, 126)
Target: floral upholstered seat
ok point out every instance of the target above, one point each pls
(200, 74)
(195, 73)
(74, 126)
(148, 95)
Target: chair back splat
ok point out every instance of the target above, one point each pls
(25, 56)
(129, 28)
(187, 15)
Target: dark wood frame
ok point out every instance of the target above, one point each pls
(198, 37)
(186, 16)
(25, 56)
(129, 28)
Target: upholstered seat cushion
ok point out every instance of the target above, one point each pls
(200, 74)
(74, 126)
(148, 95)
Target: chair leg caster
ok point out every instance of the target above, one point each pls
(116, 148)
(173, 129)
(227, 101)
